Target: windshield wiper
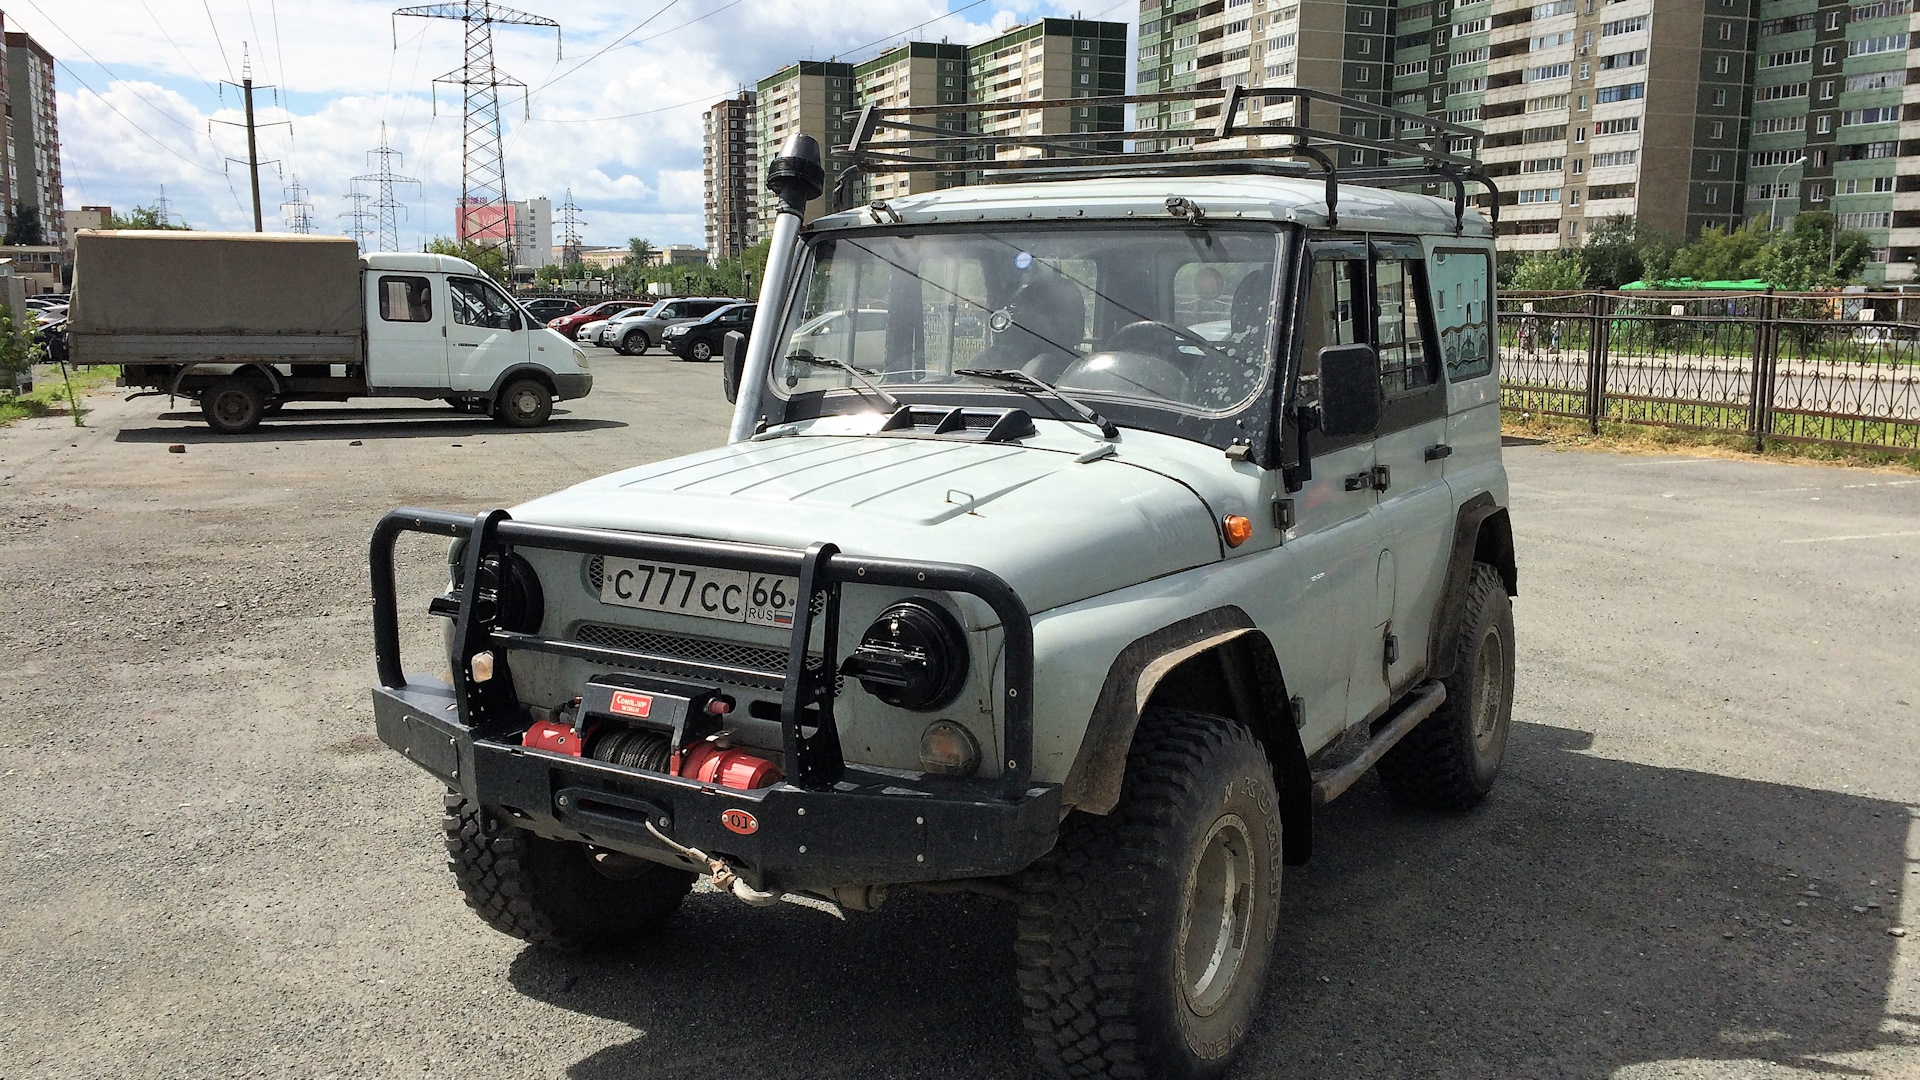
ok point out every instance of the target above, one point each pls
(858, 375)
(1015, 375)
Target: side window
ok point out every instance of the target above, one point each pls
(1404, 363)
(406, 299)
(672, 311)
(1459, 282)
(475, 303)
(872, 320)
(1329, 316)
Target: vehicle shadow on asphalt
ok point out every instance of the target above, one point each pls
(1575, 924)
(309, 425)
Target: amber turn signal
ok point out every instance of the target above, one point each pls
(1238, 529)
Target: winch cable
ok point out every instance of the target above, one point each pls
(726, 880)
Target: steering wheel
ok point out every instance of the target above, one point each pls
(1146, 331)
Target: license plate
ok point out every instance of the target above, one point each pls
(701, 591)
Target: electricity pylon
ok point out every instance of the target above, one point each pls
(387, 210)
(570, 222)
(358, 216)
(482, 216)
(296, 209)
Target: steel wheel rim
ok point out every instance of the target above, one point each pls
(525, 403)
(232, 407)
(1489, 669)
(1218, 920)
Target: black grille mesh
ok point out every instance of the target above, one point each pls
(697, 650)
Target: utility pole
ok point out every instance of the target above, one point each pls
(246, 88)
(482, 217)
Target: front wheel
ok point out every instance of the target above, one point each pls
(524, 403)
(1145, 935)
(554, 893)
(701, 351)
(234, 406)
(1450, 760)
(634, 344)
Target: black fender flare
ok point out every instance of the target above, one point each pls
(1256, 694)
(517, 371)
(1482, 532)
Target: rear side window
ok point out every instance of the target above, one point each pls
(1404, 361)
(406, 299)
(1461, 282)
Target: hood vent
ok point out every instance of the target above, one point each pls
(963, 425)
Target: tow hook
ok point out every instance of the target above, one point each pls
(727, 880)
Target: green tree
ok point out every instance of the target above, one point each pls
(1721, 255)
(1546, 271)
(1809, 256)
(548, 274)
(492, 261)
(143, 218)
(19, 350)
(24, 230)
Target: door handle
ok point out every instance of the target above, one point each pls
(1438, 451)
(1378, 478)
(468, 344)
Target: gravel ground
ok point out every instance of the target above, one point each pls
(1705, 832)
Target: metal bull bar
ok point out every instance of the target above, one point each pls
(489, 707)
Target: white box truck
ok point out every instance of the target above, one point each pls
(245, 322)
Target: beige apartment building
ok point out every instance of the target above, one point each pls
(917, 73)
(811, 97)
(730, 176)
(1049, 59)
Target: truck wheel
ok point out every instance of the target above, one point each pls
(553, 893)
(1145, 935)
(701, 351)
(1450, 760)
(233, 406)
(634, 344)
(524, 403)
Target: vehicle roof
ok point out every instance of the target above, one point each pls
(417, 260)
(1223, 197)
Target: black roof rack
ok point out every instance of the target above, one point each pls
(1418, 150)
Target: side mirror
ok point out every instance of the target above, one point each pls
(1350, 396)
(733, 351)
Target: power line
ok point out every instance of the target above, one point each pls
(176, 46)
(224, 62)
(106, 69)
(130, 122)
(605, 48)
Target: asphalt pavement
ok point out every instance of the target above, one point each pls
(1707, 828)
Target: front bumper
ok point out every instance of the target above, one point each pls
(830, 823)
(568, 387)
(869, 829)
(675, 344)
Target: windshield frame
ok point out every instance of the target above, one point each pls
(1250, 424)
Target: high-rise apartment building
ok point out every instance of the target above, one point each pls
(33, 159)
(730, 177)
(810, 98)
(1049, 59)
(1343, 48)
(917, 73)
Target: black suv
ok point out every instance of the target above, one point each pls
(547, 308)
(704, 339)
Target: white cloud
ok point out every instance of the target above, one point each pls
(340, 75)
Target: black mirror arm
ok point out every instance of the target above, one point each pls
(1306, 420)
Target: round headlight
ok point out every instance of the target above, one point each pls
(516, 589)
(914, 656)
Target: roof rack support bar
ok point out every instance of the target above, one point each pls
(1333, 181)
(863, 129)
(1229, 110)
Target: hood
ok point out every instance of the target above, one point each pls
(1056, 529)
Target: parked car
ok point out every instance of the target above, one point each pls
(638, 331)
(569, 325)
(705, 338)
(825, 335)
(548, 308)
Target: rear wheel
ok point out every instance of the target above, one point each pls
(234, 406)
(1450, 761)
(524, 403)
(634, 344)
(554, 893)
(701, 351)
(1145, 935)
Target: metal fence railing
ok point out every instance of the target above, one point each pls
(1842, 369)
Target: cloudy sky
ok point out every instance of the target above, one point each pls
(615, 117)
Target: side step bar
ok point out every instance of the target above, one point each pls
(1417, 706)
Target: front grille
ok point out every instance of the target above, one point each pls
(696, 650)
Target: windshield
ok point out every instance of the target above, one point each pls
(1158, 315)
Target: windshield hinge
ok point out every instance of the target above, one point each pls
(1182, 207)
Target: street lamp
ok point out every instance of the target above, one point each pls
(1773, 204)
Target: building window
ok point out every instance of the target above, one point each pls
(1579, 166)
(1713, 196)
(1580, 134)
(1720, 98)
(1833, 20)
(1726, 31)
(1713, 163)
(1716, 130)
(1573, 227)
(1366, 17)
(1719, 65)
(1586, 71)
(1826, 90)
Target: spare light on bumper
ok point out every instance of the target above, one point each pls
(914, 656)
